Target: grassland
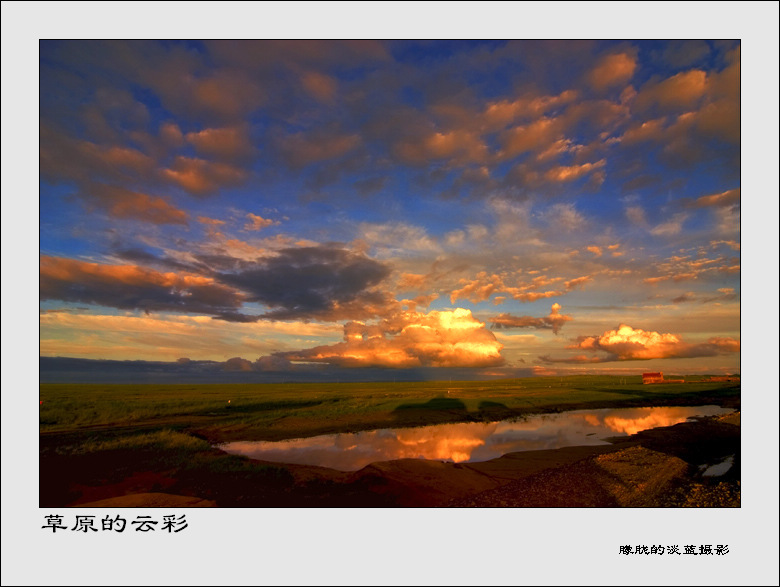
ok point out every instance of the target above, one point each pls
(278, 411)
(101, 435)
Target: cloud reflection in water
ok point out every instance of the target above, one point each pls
(467, 442)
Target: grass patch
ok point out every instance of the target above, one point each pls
(161, 440)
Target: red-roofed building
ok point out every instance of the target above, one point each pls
(652, 378)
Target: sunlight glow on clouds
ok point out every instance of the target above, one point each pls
(392, 191)
(412, 339)
(626, 343)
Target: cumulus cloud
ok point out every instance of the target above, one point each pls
(411, 339)
(628, 344)
(554, 321)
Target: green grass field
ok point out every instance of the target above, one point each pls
(276, 411)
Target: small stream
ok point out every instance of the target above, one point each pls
(467, 442)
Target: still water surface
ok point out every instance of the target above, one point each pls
(467, 442)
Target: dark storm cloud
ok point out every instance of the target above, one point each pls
(312, 282)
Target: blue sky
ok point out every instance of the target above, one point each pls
(516, 207)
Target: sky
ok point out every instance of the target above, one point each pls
(502, 208)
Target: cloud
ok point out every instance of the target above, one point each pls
(201, 178)
(66, 158)
(498, 115)
(319, 282)
(727, 198)
(670, 227)
(535, 136)
(486, 284)
(169, 336)
(300, 149)
(411, 339)
(680, 92)
(131, 287)
(565, 217)
(628, 344)
(320, 86)
(219, 96)
(612, 70)
(210, 221)
(237, 364)
(636, 215)
(684, 267)
(564, 173)
(577, 281)
(725, 294)
(554, 321)
(227, 144)
(123, 203)
(459, 146)
(258, 222)
(479, 289)
(397, 238)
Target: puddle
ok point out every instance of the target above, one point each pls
(467, 442)
(719, 469)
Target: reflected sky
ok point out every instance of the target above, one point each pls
(467, 442)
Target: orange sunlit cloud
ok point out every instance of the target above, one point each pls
(681, 91)
(626, 343)
(726, 198)
(412, 339)
(119, 202)
(226, 144)
(200, 177)
(612, 70)
(258, 222)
